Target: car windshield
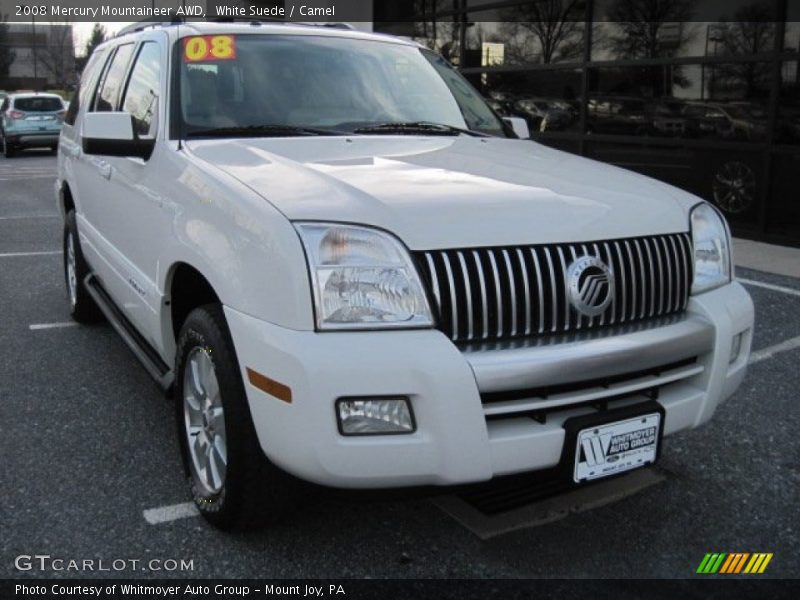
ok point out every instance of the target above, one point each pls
(38, 104)
(313, 85)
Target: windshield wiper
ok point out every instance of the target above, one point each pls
(413, 127)
(260, 131)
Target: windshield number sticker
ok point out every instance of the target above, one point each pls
(202, 48)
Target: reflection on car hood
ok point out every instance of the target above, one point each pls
(437, 192)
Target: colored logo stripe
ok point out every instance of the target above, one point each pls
(758, 563)
(711, 562)
(734, 562)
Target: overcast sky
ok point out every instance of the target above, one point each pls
(82, 31)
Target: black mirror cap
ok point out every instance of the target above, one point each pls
(141, 148)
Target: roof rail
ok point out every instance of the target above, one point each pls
(142, 25)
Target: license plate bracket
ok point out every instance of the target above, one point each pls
(612, 442)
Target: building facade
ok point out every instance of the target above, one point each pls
(37, 56)
(702, 94)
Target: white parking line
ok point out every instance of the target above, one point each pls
(59, 325)
(771, 351)
(14, 254)
(165, 514)
(769, 286)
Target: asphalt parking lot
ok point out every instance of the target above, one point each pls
(90, 459)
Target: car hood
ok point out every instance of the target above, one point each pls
(450, 192)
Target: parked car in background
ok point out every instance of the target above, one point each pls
(730, 121)
(664, 118)
(30, 120)
(616, 115)
(543, 114)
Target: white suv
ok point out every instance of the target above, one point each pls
(345, 266)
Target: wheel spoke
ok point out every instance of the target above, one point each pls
(216, 467)
(196, 378)
(220, 450)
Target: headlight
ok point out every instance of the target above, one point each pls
(712, 255)
(362, 278)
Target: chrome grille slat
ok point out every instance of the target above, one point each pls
(624, 285)
(539, 289)
(668, 288)
(642, 279)
(434, 278)
(651, 267)
(453, 301)
(602, 315)
(465, 275)
(564, 286)
(661, 276)
(484, 304)
(514, 291)
(686, 257)
(552, 289)
(633, 280)
(526, 287)
(677, 298)
(615, 272)
(498, 293)
(578, 317)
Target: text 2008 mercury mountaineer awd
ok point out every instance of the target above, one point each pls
(347, 267)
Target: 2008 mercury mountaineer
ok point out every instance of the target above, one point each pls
(347, 267)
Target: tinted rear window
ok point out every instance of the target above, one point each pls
(38, 104)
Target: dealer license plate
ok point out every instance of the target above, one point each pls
(613, 448)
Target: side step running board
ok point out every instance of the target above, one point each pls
(147, 355)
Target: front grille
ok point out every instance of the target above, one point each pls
(517, 291)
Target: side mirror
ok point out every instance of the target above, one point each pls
(520, 127)
(111, 134)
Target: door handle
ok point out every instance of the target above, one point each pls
(104, 168)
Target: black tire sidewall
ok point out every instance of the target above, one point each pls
(205, 328)
(85, 310)
(8, 149)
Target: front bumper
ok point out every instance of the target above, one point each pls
(455, 442)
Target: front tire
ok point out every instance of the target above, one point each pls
(82, 307)
(230, 479)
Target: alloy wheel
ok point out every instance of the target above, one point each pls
(204, 421)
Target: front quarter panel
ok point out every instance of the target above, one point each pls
(246, 249)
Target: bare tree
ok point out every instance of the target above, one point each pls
(641, 26)
(549, 29)
(751, 32)
(57, 55)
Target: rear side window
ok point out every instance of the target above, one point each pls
(141, 97)
(38, 104)
(110, 88)
(87, 81)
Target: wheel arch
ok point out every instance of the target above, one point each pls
(186, 289)
(66, 201)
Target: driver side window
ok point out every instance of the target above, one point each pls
(141, 95)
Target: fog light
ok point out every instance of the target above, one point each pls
(375, 416)
(736, 346)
